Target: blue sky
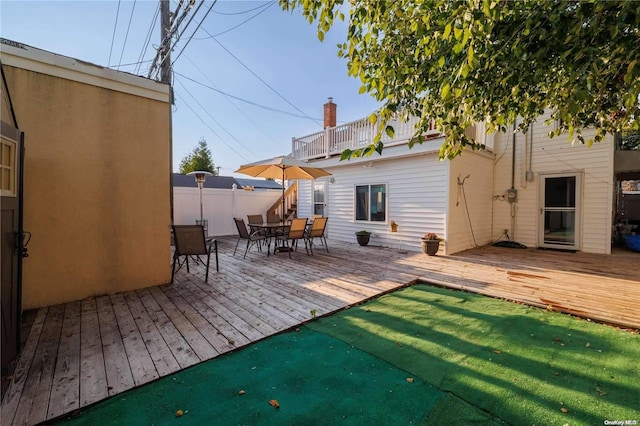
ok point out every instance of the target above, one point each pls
(278, 47)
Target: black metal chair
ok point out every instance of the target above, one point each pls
(317, 230)
(253, 238)
(190, 241)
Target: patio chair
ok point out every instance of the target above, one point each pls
(253, 239)
(295, 232)
(317, 230)
(273, 218)
(255, 219)
(191, 242)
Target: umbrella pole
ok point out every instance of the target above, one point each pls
(283, 195)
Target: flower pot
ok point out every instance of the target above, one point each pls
(430, 247)
(393, 227)
(363, 239)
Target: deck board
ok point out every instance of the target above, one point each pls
(83, 352)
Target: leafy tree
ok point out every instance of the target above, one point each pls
(630, 139)
(198, 160)
(464, 61)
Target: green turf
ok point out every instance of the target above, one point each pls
(317, 380)
(522, 364)
(473, 360)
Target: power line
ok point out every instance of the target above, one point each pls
(212, 130)
(264, 82)
(147, 39)
(113, 37)
(265, 6)
(127, 34)
(241, 99)
(210, 116)
(244, 11)
(231, 102)
(194, 32)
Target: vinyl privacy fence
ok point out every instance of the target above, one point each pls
(220, 206)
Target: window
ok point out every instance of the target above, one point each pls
(8, 168)
(371, 202)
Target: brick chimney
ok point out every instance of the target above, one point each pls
(330, 114)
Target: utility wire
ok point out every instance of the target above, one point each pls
(212, 130)
(127, 34)
(194, 32)
(214, 120)
(265, 6)
(113, 37)
(244, 11)
(231, 102)
(147, 39)
(241, 99)
(264, 82)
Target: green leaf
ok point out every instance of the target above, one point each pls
(447, 30)
(390, 131)
(373, 118)
(362, 90)
(320, 35)
(346, 154)
(444, 93)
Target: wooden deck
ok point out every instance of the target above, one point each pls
(83, 352)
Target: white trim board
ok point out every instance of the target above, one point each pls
(30, 58)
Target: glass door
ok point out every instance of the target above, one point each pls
(560, 211)
(319, 198)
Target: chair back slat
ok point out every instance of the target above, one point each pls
(189, 239)
(273, 218)
(255, 219)
(318, 226)
(242, 228)
(298, 226)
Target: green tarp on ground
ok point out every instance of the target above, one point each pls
(524, 365)
(473, 360)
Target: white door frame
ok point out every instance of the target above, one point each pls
(543, 240)
(323, 184)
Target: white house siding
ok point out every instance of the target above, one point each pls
(416, 199)
(553, 155)
(461, 229)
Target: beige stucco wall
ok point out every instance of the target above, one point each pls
(96, 195)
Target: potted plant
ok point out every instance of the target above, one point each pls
(393, 226)
(430, 243)
(363, 237)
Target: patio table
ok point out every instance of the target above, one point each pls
(270, 231)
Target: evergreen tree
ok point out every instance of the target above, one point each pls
(198, 160)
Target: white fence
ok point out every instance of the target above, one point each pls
(220, 206)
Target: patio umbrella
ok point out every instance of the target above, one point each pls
(284, 168)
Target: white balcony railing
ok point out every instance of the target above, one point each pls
(359, 134)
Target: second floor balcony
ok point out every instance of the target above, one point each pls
(332, 141)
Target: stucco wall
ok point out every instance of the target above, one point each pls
(96, 188)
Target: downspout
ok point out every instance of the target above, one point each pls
(513, 157)
(512, 205)
(6, 87)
